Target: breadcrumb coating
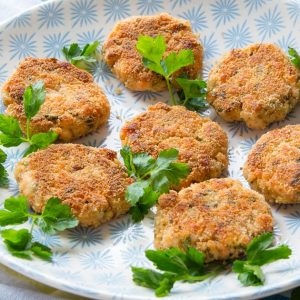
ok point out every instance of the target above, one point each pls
(273, 165)
(91, 181)
(126, 63)
(201, 142)
(74, 104)
(257, 84)
(218, 217)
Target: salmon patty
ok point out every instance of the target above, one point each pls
(74, 104)
(257, 84)
(91, 181)
(218, 217)
(201, 142)
(121, 55)
(273, 165)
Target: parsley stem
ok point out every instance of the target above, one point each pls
(28, 129)
(32, 224)
(185, 100)
(174, 102)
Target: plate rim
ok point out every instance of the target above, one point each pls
(50, 280)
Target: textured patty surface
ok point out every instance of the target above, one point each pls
(218, 217)
(74, 104)
(91, 181)
(273, 165)
(258, 85)
(201, 142)
(121, 55)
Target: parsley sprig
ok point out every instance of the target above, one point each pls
(3, 172)
(153, 177)
(176, 266)
(82, 58)
(152, 50)
(11, 134)
(55, 217)
(294, 57)
(189, 266)
(258, 253)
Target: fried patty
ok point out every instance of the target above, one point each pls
(218, 217)
(257, 84)
(91, 181)
(273, 165)
(126, 63)
(74, 104)
(201, 142)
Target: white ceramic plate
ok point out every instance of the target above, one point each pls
(95, 262)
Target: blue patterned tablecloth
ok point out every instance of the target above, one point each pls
(14, 286)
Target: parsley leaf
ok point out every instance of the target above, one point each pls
(3, 156)
(44, 139)
(55, 217)
(128, 159)
(170, 260)
(3, 177)
(33, 98)
(258, 253)
(11, 133)
(41, 141)
(3, 172)
(15, 211)
(82, 58)
(174, 62)
(41, 251)
(153, 178)
(17, 242)
(176, 266)
(193, 94)
(294, 57)
(153, 51)
(10, 141)
(162, 283)
(190, 267)
(166, 172)
(248, 274)
(10, 126)
(73, 51)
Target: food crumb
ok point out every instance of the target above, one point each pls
(118, 91)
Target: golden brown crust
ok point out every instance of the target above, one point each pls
(74, 104)
(273, 165)
(218, 217)
(91, 181)
(201, 143)
(121, 55)
(257, 84)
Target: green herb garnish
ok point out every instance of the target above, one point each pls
(294, 57)
(3, 172)
(193, 94)
(258, 253)
(82, 58)
(189, 266)
(153, 51)
(176, 266)
(11, 133)
(55, 217)
(153, 178)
